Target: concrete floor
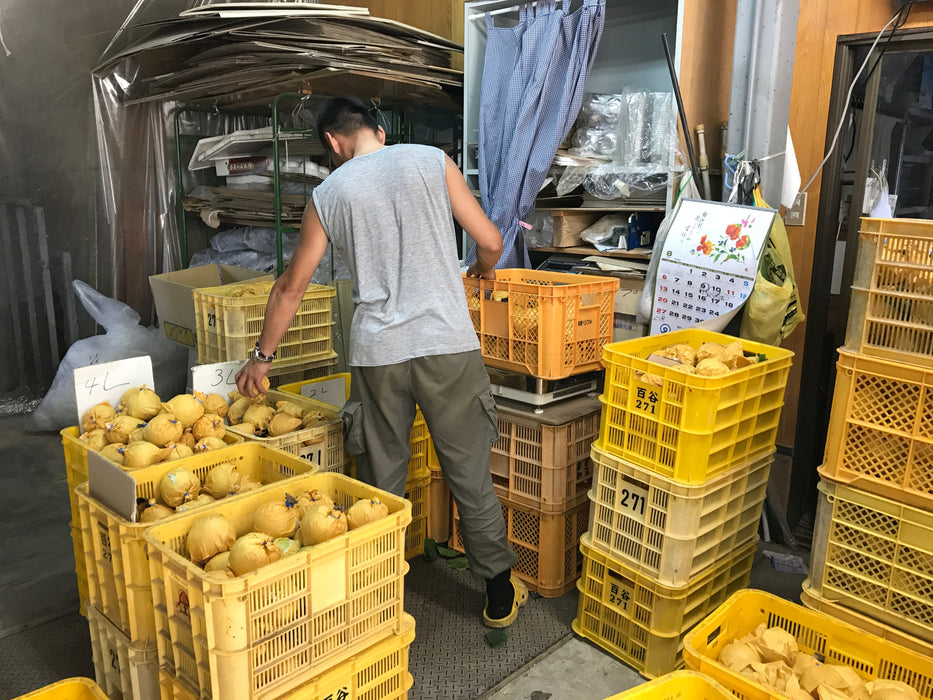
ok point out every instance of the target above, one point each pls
(43, 639)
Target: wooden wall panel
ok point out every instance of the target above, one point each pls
(821, 22)
(434, 16)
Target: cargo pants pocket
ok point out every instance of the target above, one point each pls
(352, 416)
(490, 415)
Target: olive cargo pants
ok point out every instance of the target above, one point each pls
(453, 393)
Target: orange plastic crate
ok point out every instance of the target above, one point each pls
(228, 326)
(690, 428)
(541, 465)
(880, 436)
(891, 311)
(547, 544)
(552, 324)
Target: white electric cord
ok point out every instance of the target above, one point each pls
(845, 109)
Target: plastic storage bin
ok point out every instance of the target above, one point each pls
(812, 600)
(827, 638)
(542, 465)
(113, 549)
(548, 324)
(228, 326)
(549, 559)
(643, 622)
(880, 435)
(891, 311)
(321, 444)
(439, 511)
(378, 672)
(874, 556)
(678, 685)
(690, 428)
(420, 438)
(669, 530)
(289, 375)
(68, 689)
(417, 492)
(125, 670)
(266, 633)
(80, 568)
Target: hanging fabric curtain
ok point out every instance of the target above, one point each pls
(532, 87)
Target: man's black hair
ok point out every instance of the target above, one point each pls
(344, 116)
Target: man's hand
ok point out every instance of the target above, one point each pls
(474, 272)
(251, 379)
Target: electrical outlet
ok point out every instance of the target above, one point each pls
(797, 214)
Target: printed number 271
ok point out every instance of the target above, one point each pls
(637, 502)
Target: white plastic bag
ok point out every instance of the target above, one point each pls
(124, 338)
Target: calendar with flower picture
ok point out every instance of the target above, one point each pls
(708, 263)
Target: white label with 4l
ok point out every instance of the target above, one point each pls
(632, 498)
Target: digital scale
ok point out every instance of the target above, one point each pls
(537, 392)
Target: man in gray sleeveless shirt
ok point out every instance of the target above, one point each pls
(389, 210)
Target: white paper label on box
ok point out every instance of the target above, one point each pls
(217, 378)
(708, 263)
(109, 484)
(332, 391)
(632, 499)
(109, 380)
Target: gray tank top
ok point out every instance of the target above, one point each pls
(388, 213)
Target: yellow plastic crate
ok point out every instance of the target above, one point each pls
(68, 689)
(690, 428)
(541, 465)
(678, 685)
(812, 600)
(875, 556)
(669, 530)
(551, 325)
(549, 559)
(113, 547)
(420, 439)
(643, 622)
(828, 639)
(266, 633)
(80, 569)
(880, 435)
(380, 672)
(891, 310)
(229, 326)
(321, 444)
(417, 492)
(124, 669)
(307, 371)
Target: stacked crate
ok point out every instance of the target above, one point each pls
(872, 554)
(541, 470)
(418, 483)
(547, 325)
(327, 621)
(681, 473)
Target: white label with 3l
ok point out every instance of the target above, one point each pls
(632, 498)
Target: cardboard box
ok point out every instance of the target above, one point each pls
(569, 225)
(625, 307)
(174, 302)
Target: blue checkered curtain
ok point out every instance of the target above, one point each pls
(532, 88)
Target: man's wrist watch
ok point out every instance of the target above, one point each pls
(259, 357)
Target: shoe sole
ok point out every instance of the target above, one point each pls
(519, 599)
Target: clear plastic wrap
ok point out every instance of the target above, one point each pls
(645, 130)
(541, 232)
(596, 134)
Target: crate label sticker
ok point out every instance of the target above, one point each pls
(618, 594)
(632, 499)
(708, 263)
(216, 378)
(103, 536)
(109, 380)
(647, 399)
(313, 452)
(328, 583)
(330, 391)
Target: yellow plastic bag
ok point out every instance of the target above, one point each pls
(773, 308)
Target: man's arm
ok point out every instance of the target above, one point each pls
(285, 298)
(470, 215)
